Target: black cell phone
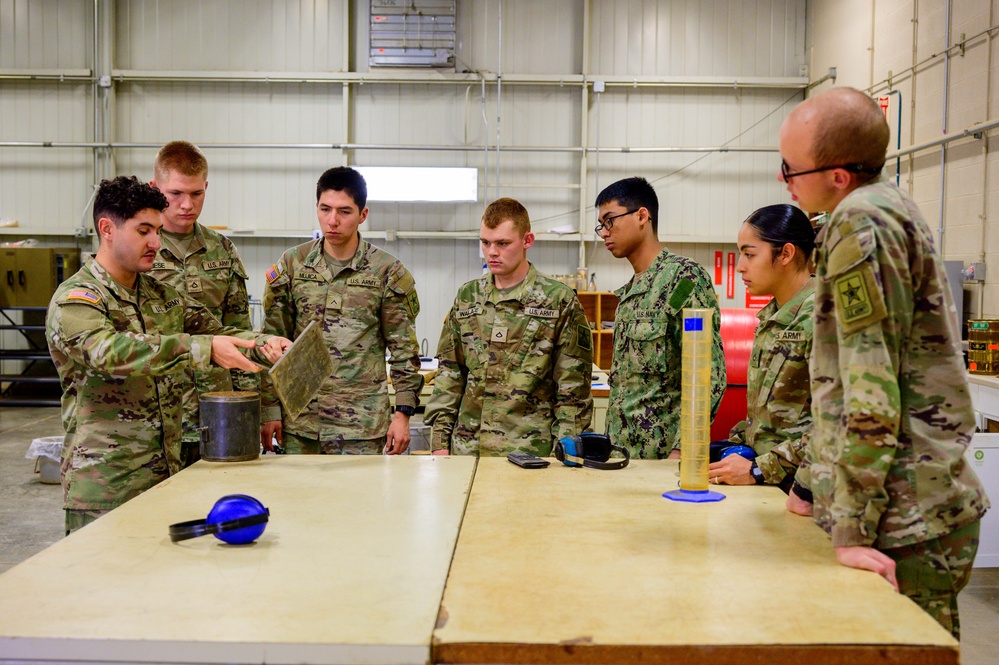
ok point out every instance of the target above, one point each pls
(527, 460)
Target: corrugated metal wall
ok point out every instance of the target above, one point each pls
(543, 50)
(897, 50)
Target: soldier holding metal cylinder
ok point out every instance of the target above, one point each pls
(124, 345)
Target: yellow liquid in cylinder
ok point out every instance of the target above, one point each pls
(695, 399)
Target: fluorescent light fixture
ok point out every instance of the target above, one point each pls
(420, 183)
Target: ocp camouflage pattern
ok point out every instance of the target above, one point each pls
(365, 308)
(893, 415)
(212, 273)
(514, 369)
(643, 413)
(123, 359)
(778, 394)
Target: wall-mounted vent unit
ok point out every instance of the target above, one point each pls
(412, 33)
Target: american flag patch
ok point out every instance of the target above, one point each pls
(271, 274)
(83, 294)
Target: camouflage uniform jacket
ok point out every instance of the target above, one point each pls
(643, 412)
(893, 415)
(122, 358)
(514, 369)
(211, 273)
(779, 398)
(366, 307)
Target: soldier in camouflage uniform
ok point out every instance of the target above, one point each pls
(643, 412)
(123, 344)
(202, 264)
(515, 352)
(775, 249)
(366, 301)
(893, 416)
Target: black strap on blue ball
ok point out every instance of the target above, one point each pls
(196, 528)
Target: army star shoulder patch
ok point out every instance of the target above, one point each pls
(852, 296)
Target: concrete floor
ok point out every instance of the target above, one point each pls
(31, 519)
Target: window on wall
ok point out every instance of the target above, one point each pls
(412, 183)
(412, 33)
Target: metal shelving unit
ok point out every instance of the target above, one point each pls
(38, 372)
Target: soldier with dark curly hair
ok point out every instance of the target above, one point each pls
(123, 344)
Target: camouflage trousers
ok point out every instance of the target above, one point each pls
(299, 445)
(934, 572)
(77, 519)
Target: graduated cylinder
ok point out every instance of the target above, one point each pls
(695, 396)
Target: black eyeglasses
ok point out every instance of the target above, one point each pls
(608, 223)
(787, 174)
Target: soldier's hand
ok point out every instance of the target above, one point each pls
(796, 504)
(274, 348)
(868, 558)
(268, 431)
(225, 353)
(732, 470)
(397, 439)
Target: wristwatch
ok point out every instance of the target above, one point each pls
(406, 410)
(757, 474)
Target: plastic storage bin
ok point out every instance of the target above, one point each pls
(47, 452)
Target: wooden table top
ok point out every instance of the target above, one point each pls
(350, 569)
(563, 565)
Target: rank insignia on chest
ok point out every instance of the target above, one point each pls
(500, 334)
(541, 312)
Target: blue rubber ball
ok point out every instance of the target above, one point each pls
(744, 451)
(235, 507)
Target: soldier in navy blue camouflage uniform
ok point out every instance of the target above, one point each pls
(643, 412)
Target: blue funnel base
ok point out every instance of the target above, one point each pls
(694, 496)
